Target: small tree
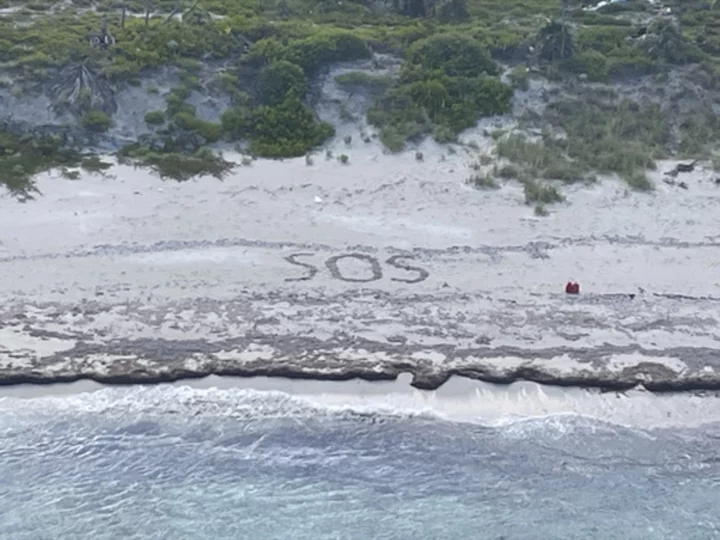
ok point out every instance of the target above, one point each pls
(280, 79)
(555, 42)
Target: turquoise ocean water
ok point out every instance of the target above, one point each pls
(180, 463)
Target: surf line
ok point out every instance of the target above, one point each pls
(373, 264)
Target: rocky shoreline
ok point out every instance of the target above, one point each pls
(654, 377)
(264, 339)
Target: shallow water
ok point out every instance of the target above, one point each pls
(183, 463)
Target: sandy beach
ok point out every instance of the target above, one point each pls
(382, 266)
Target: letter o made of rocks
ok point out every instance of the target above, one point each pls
(332, 265)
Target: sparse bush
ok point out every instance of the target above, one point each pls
(237, 122)
(555, 42)
(210, 131)
(591, 63)
(179, 167)
(453, 53)
(286, 130)
(509, 171)
(537, 192)
(483, 181)
(96, 121)
(357, 80)
(520, 78)
(279, 79)
(155, 118)
(638, 180)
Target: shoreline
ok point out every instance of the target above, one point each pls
(423, 381)
(459, 399)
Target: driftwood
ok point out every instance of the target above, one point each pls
(682, 168)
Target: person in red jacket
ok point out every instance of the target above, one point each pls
(572, 288)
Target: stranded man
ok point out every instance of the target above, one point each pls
(572, 288)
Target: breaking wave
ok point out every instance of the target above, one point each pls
(174, 462)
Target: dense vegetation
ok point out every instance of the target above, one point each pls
(453, 53)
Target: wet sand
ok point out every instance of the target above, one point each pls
(126, 278)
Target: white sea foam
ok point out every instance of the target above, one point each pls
(522, 405)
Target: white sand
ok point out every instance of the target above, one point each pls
(111, 264)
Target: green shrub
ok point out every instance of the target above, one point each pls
(454, 54)
(181, 92)
(602, 39)
(519, 77)
(312, 52)
(536, 192)
(355, 80)
(237, 122)
(210, 131)
(415, 109)
(601, 137)
(190, 82)
(279, 79)
(445, 86)
(155, 118)
(96, 121)
(509, 171)
(638, 181)
(189, 64)
(286, 130)
(591, 63)
(483, 181)
(555, 42)
(179, 167)
(699, 133)
(27, 156)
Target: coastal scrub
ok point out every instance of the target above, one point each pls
(262, 61)
(447, 82)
